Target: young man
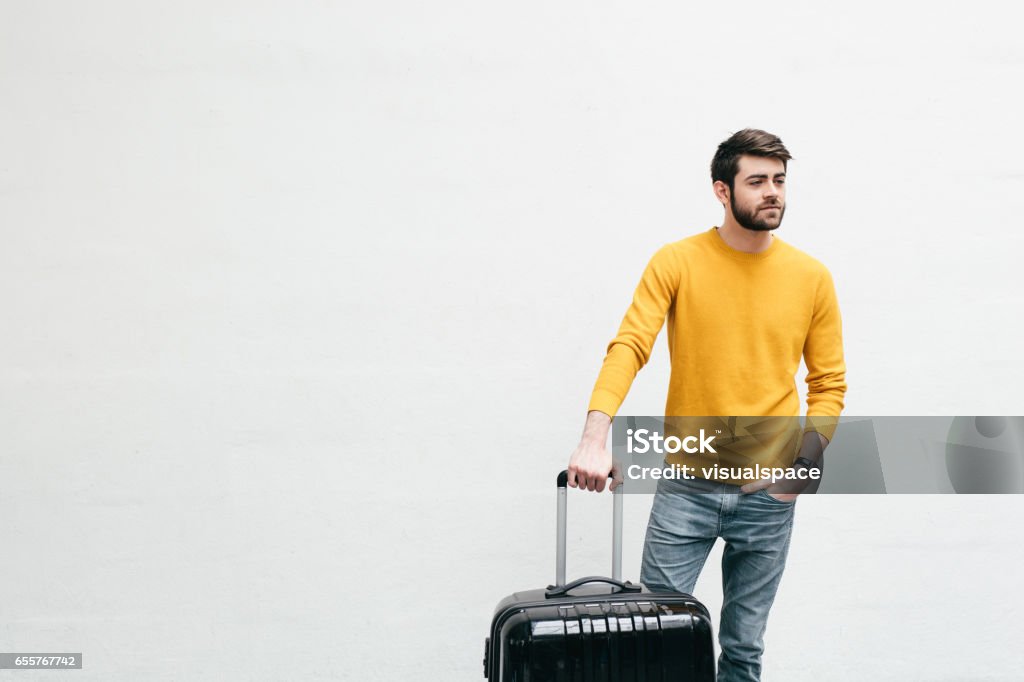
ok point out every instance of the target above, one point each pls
(742, 308)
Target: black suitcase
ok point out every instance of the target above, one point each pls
(597, 628)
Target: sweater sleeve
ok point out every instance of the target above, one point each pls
(823, 355)
(631, 348)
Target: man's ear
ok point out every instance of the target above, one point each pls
(721, 192)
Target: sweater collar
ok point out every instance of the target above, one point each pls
(720, 244)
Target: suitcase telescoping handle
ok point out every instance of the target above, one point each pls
(563, 484)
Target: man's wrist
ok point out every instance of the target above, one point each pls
(596, 428)
(805, 463)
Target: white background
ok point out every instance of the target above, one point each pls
(303, 303)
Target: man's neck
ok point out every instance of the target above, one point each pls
(742, 239)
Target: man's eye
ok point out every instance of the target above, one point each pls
(756, 183)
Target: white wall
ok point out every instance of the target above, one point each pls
(302, 304)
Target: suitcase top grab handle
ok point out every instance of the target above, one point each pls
(562, 590)
(563, 483)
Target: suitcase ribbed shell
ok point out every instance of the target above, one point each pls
(597, 634)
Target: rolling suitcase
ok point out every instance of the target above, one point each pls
(598, 628)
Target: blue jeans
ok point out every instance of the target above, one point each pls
(686, 519)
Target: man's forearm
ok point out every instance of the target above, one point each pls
(812, 450)
(810, 456)
(596, 427)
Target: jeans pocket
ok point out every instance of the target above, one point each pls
(767, 495)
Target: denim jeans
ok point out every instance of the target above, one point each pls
(686, 519)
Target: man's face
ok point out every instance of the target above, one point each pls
(758, 199)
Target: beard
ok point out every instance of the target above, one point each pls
(757, 219)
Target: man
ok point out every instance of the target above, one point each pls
(742, 308)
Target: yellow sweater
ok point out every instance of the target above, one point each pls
(738, 324)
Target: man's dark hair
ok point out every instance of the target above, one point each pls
(751, 141)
